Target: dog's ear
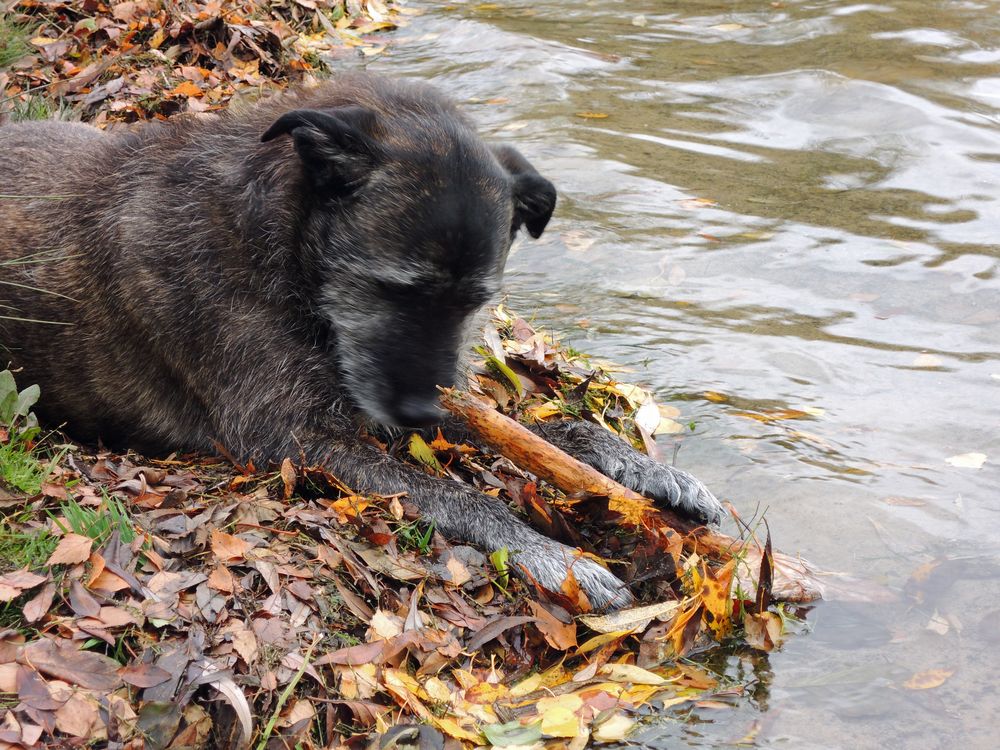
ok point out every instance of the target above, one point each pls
(534, 196)
(333, 144)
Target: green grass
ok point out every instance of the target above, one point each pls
(20, 468)
(13, 42)
(38, 108)
(25, 548)
(410, 536)
(99, 523)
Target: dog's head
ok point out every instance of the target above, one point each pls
(412, 218)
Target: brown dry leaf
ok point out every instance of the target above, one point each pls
(143, 675)
(62, 659)
(559, 635)
(12, 585)
(80, 716)
(39, 605)
(928, 679)
(227, 547)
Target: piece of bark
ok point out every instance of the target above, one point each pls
(795, 580)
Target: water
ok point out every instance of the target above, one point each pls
(794, 205)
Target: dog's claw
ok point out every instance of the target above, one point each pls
(549, 563)
(676, 489)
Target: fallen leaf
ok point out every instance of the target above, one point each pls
(62, 659)
(613, 729)
(928, 679)
(187, 88)
(227, 547)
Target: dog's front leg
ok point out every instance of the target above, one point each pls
(613, 457)
(462, 513)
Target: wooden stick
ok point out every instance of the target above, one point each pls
(794, 579)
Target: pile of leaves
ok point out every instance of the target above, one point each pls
(108, 61)
(190, 603)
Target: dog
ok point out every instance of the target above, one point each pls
(267, 279)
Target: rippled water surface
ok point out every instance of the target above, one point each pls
(789, 205)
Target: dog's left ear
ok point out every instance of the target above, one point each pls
(534, 196)
(333, 144)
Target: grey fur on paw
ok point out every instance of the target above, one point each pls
(548, 564)
(680, 491)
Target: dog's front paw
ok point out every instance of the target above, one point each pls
(679, 491)
(549, 562)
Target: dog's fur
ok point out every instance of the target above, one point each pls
(262, 279)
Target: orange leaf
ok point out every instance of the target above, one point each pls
(928, 679)
(187, 88)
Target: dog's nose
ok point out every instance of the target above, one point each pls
(412, 411)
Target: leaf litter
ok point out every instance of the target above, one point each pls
(108, 62)
(251, 607)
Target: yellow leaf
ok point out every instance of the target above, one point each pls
(453, 729)
(369, 28)
(423, 453)
(715, 593)
(614, 729)
(928, 679)
(631, 673)
(559, 715)
(544, 411)
(592, 115)
(486, 692)
(607, 634)
(527, 685)
(716, 397)
(158, 38)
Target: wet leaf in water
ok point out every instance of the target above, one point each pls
(928, 679)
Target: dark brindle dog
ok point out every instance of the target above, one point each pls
(264, 280)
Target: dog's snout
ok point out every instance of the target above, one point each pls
(415, 411)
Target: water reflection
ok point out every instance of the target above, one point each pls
(790, 209)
